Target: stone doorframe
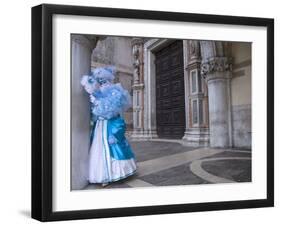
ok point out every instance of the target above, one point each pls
(150, 47)
(149, 130)
(215, 67)
(197, 137)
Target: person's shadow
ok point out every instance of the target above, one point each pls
(25, 213)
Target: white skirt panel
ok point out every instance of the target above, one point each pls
(102, 167)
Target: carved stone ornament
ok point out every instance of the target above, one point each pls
(216, 64)
(194, 50)
(136, 63)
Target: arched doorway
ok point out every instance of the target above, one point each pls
(183, 123)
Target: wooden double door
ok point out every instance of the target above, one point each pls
(170, 98)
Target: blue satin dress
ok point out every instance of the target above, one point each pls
(110, 157)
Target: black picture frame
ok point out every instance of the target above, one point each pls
(42, 111)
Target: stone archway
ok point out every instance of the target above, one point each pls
(216, 68)
(211, 59)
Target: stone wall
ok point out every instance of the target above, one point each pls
(241, 126)
(117, 51)
(241, 76)
(241, 95)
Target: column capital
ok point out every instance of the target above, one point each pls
(137, 41)
(211, 68)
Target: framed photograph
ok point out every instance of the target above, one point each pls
(145, 112)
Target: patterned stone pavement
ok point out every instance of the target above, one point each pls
(164, 163)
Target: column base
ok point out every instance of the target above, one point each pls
(196, 138)
(139, 135)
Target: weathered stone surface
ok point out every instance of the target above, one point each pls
(103, 53)
(216, 69)
(241, 125)
(215, 64)
(80, 111)
(236, 170)
(227, 165)
(146, 150)
(179, 175)
(218, 113)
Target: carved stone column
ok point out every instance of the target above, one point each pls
(82, 46)
(196, 97)
(217, 72)
(138, 89)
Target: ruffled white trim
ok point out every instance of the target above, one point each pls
(122, 168)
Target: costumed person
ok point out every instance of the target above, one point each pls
(110, 157)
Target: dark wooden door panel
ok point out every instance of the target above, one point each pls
(170, 107)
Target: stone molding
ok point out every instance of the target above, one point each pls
(119, 68)
(137, 41)
(194, 50)
(86, 40)
(139, 86)
(137, 45)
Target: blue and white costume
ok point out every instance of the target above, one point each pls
(111, 157)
